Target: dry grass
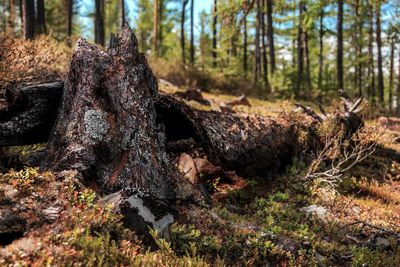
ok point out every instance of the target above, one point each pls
(42, 59)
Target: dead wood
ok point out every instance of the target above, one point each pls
(195, 95)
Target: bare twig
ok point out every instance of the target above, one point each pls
(382, 229)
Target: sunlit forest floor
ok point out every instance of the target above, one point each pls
(268, 221)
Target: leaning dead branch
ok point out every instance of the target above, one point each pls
(379, 228)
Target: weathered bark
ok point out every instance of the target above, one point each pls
(251, 145)
(339, 57)
(113, 127)
(99, 22)
(106, 127)
(29, 114)
(40, 17)
(28, 14)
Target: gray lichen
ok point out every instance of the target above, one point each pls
(96, 126)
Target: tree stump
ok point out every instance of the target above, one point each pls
(106, 127)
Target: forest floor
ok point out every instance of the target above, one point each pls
(270, 221)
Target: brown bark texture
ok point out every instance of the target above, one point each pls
(107, 128)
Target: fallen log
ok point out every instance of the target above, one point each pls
(113, 127)
(114, 123)
(28, 113)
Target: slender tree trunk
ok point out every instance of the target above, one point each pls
(160, 27)
(121, 13)
(339, 58)
(99, 22)
(245, 66)
(264, 47)
(307, 61)
(21, 13)
(11, 16)
(391, 72)
(257, 62)
(321, 48)
(360, 52)
(214, 29)
(28, 10)
(40, 17)
(155, 28)
(371, 67)
(379, 44)
(192, 32)
(70, 8)
(270, 34)
(183, 11)
(300, 49)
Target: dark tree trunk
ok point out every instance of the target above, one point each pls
(391, 74)
(270, 34)
(183, 13)
(379, 44)
(321, 49)
(359, 46)
(257, 56)
(339, 57)
(70, 10)
(307, 60)
(192, 32)
(28, 11)
(264, 48)
(245, 66)
(214, 29)
(121, 13)
(99, 23)
(371, 67)
(300, 49)
(21, 13)
(40, 17)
